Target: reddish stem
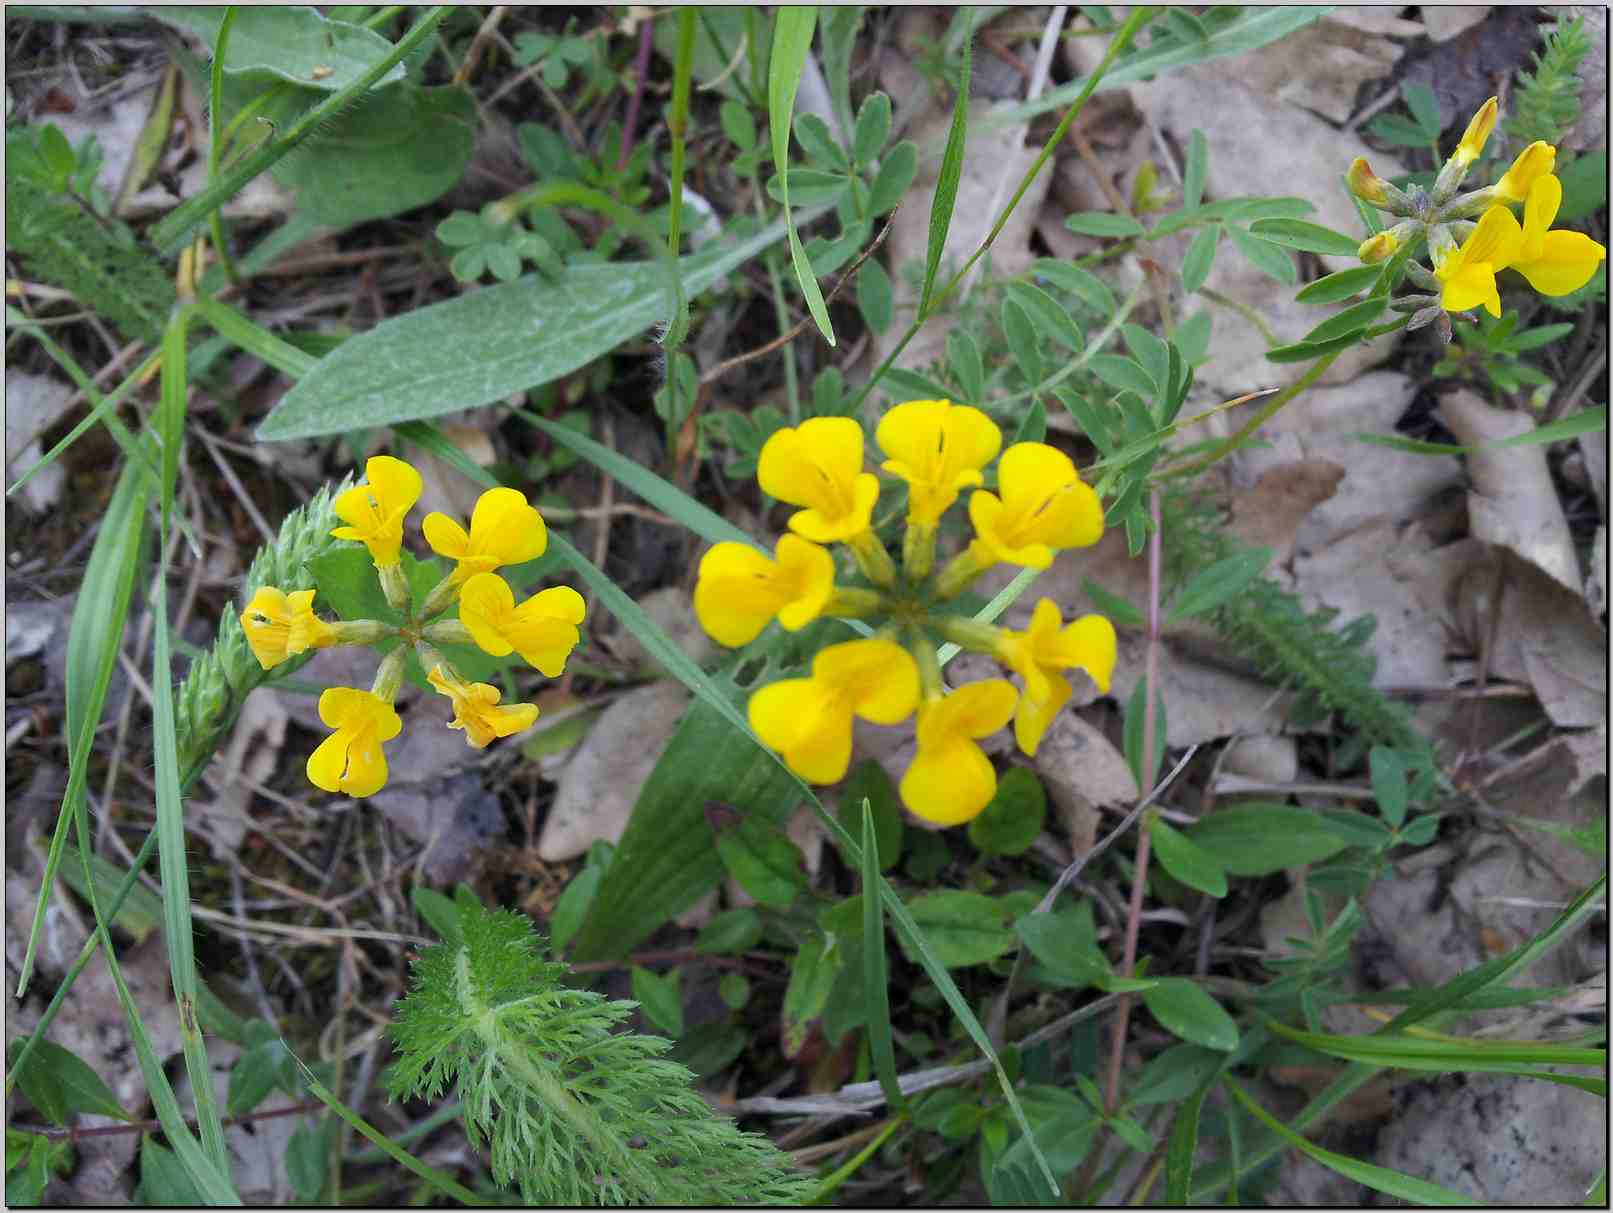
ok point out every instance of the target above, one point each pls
(641, 70)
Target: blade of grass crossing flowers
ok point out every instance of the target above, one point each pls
(177, 918)
(663, 649)
(946, 184)
(1380, 1179)
(1006, 597)
(792, 41)
(172, 231)
(93, 640)
(876, 975)
(255, 339)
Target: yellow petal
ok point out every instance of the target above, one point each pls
(1533, 162)
(366, 764)
(544, 630)
(737, 593)
(1089, 643)
(343, 706)
(485, 605)
(949, 784)
(809, 573)
(974, 710)
(328, 762)
(878, 678)
(1472, 286)
(939, 448)
(819, 466)
(805, 721)
(396, 484)
(1545, 197)
(505, 528)
(266, 622)
(1033, 716)
(446, 537)
(1567, 261)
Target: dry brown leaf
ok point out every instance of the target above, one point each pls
(1444, 21)
(1269, 513)
(1514, 502)
(601, 783)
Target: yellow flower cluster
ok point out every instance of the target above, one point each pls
(504, 530)
(939, 449)
(1463, 273)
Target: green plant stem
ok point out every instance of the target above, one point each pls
(1270, 410)
(172, 231)
(1244, 310)
(833, 1181)
(215, 150)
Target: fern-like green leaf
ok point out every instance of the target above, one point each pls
(1545, 104)
(575, 1112)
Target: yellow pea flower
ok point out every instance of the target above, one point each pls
(939, 448)
(808, 720)
(818, 465)
(740, 590)
(350, 759)
(1477, 133)
(1467, 276)
(477, 710)
(1535, 161)
(1555, 263)
(543, 629)
(374, 510)
(1043, 508)
(1041, 653)
(504, 529)
(951, 779)
(280, 625)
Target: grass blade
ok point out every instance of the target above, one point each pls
(1184, 1142)
(792, 41)
(1496, 971)
(876, 975)
(93, 640)
(178, 926)
(1380, 1179)
(173, 230)
(444, 1183)
(946, 185)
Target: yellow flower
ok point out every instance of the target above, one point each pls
(808, 720)
(374, 511)
(1555, 263)
(350, 759)
(819, 465)
(1044, 507)
(939, 448)
(1468, 274)
(1477, 133)
(543, 629)
(740, 590)
(1040, 654)
(504, 529)
(476, 708)
(1535, 161)
(280, 625)
(951, 779)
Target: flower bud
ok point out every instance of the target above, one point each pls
(1378, 248)
(1413, 303)
(1477, 133)
(1364, 183)
(1426, 317)
(1421, 276)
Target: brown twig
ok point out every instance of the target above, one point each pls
(72, 1133)
(478, 44)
